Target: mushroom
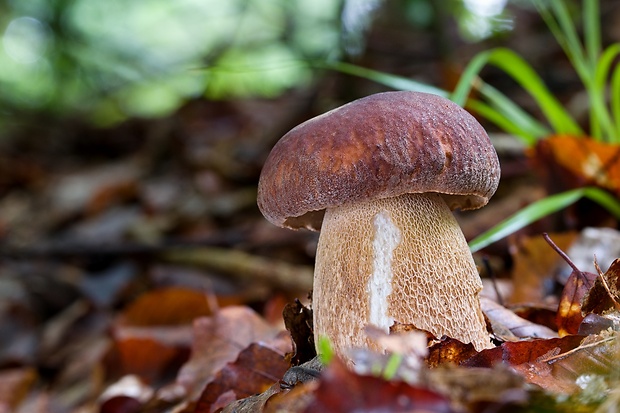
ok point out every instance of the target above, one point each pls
(379, 177)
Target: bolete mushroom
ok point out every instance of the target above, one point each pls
(379, 177)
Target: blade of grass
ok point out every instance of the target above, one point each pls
(508, 115)
(517, 68)
(615, 99)
(503, 122)
(541, 209)
(563, 28)
(513, 112)
(602, 125)
(386, 79)
(592, 31)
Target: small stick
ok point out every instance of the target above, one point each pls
(560, 252)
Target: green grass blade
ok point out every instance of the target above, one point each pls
(615, 98)
(604, 199)
(469, 77)
(500, 120)
(513, 112)
(563, 29)
(543, 208)
(592, 30)
(517, 68)
(386, 79)
(600, 118)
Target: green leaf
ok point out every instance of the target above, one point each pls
(541, 209)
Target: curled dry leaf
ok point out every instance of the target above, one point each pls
(510, 327)
(449, 351)
(578, 284)
(298, 321)
(605, 293)
(126, 394)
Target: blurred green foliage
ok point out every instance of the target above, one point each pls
(113, 59)
(117, 58)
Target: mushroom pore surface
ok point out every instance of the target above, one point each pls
(402, 259)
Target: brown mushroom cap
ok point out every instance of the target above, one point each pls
(380, 146)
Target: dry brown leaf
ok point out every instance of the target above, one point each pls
(171, 306)
(474, 389)
(217, 341)
(605, 294)
(14, 386)
(569, 315)
(583, 161)
(341, 390)
(150, 352)
(520, 352)
(566, 370)
(449, 351)
(510, 327)
(298, 321)
(256, 369)
(534, 263)
(294, 400)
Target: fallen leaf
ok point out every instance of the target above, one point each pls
(538, 314)
(605, 293)
(510, 327)
(583, 161)
(569, 315)
(342, 391)
(126, 395)
(298, 322)
(520, 352)
(166, 306)
(479, 389)
(449, 351)
(294, 400)
(151, 353)
(14, 386)
(217, 341)
(561, 370)
(256, 369)
(533, 268)
(579, 282)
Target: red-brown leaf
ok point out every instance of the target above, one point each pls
(256, 369)
(341, 391)
(569, 315)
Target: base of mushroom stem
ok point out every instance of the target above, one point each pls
(401, 259)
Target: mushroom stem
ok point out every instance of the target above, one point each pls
(401, 259)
